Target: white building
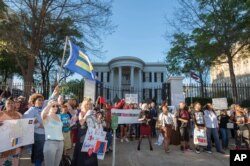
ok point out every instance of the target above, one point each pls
(123, 75)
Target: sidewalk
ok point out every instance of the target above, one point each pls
(127, 155)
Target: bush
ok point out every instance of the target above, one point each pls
(204, 100)
(245, 103)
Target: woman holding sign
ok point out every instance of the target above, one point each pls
(86, 118)
(10, 157)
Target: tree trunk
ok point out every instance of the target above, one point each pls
(28, 76)
(232, 77)
(202, 84)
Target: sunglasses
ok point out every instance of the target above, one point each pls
(55, 106)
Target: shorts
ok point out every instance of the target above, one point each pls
(67, 140)
(184, 131)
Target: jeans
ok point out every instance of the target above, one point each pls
(213, 132)
(224, 137)
(53, 151)
(109, 138)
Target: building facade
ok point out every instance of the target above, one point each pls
(220, 73)
(125, 75)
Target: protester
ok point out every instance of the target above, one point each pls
(183, 118)
(199, 121)
(145, 129)
(212, 127)
(66, 129)
(239, 117)
(83, 158)
(36, 101)
(224, 119)
(166, 121)
(153, 116)
(53, 147)
(10, 157)
(107, 117)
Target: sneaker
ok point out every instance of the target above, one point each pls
(209, 151)
(222, 152)
(126, 139)
(197, 151)
(121, 140)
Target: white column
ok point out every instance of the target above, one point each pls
(132, 76)
(120, 81)
(140, 87)
(111, 91)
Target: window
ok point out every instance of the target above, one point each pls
(150, 93)
(108, 76)
(101, 76)
(162, 77)
(156, 94)
(155, 77)
(144, 78)
(150, 77)
(147, 77)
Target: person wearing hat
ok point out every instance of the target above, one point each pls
(145, 129)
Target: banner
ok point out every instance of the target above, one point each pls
(126, 116)
(220, 103)
(131, 98)
(200, 137)
(92, 136)
(16, 133)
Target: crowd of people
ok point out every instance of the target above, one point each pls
(61, 125)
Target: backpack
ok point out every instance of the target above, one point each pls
(65, 161)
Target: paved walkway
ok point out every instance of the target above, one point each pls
(127, 155)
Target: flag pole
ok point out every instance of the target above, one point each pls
(190, 91)
(64, 51)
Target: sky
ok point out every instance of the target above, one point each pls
(140, 31)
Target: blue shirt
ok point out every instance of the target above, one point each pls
(66, 122)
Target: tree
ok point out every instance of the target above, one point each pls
(32, 21)
(50, 56)
(224, 23)
(187, 53)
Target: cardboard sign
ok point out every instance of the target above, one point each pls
(131, 98)
(89, 89)
(16, 133)
(220, 103)
(126, 116)
(91, 137)
(200, 137)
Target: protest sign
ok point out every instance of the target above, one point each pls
(200, 137)
(100, 148)
(220, 103)
(131, 98)
(16, 133)
(91, 137)
(126, 116)
(89, 89)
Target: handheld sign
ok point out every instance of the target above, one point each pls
(220, 103)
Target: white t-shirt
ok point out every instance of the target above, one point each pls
(166, 119)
